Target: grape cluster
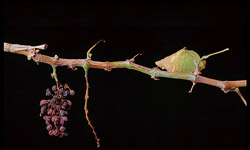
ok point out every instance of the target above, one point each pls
(55, 110)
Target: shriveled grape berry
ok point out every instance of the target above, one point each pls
(48, 93)
(64, 118)
(43, 102)
(47, 122)
(65, 93)
(61, 90)
(63, 134)
(43, 109)
(62, 128)
(62, 113)
(72, 92)
(69, 102)
(56, 132)
(62, 122)
(49, 127)
(46, 118)
(49, 112)
(54, 88)
(51, 132)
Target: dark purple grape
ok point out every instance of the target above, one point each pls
(72, 92)
(49, 127)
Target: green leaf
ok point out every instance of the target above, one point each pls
(183, 61)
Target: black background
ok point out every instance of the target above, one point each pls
(128, 109)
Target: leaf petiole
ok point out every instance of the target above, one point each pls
(206, 56)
